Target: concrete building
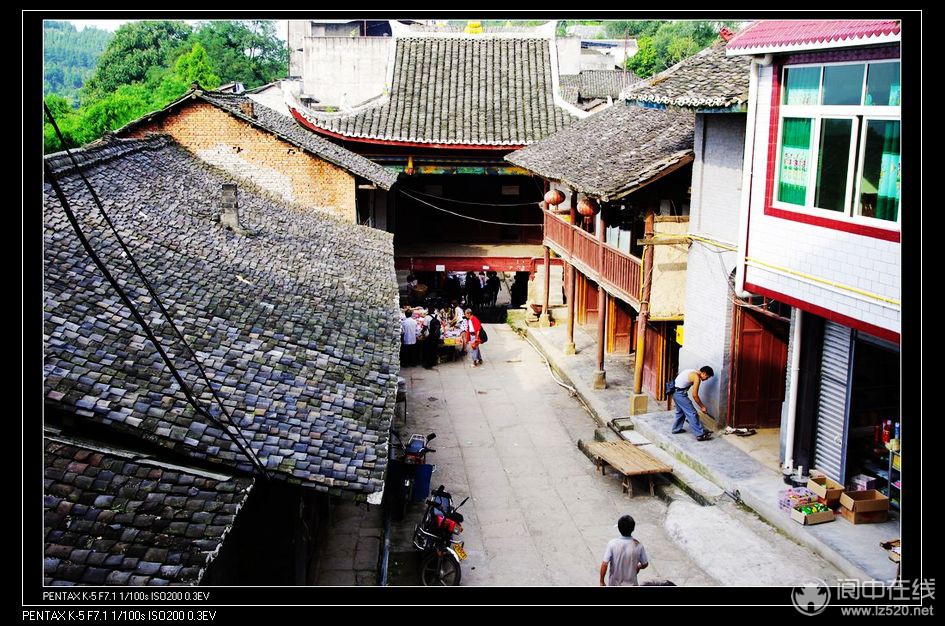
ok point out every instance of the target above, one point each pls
(820, 231)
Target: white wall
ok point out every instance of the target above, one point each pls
(857, 261)
(569, 55)
(716, 191)
(345, 71)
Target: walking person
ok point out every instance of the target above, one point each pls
(492, 288)
(408, 334)
(474, 327)
(685, 411)
(624, 557)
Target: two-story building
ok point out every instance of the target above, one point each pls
(819, 230)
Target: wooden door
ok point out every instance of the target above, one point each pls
(760, 367)
(619, 327)
(654, 360)
(590, 303)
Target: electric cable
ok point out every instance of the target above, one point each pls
(244, 446)
(475, 219)
(430, 195)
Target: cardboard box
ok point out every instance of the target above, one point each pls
(864, 501)
(814, 518)
(827, 490)
(869, 517)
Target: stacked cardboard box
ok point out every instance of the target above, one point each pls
(864, 507)
(827, 491)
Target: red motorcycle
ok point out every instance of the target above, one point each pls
(404, 460)
(437, 536)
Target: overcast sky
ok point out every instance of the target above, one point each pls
(111, 25)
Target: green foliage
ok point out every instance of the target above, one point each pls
(194, 67)
(662, 44)
(245, 51)
(136, 48)
(69, 57)
(150, 64)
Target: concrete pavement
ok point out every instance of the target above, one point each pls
(538, 513)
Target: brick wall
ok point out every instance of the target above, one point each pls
(254, 155)
(860, 261)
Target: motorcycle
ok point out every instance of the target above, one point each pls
(436, 535)
(407, 457)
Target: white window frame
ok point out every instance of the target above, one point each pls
(860, 115)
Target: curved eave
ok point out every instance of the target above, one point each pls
(304, 121)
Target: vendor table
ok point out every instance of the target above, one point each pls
(629, 460)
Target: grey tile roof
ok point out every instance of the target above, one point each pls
(460, 90)
(614, 152)
(706, 80)
(112, 519)
(593, 84)
(286, 129)
(297, 324)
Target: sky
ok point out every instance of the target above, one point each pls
(111, 25)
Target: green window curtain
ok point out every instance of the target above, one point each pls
(887, 202)
(802, 85)
(795, 160)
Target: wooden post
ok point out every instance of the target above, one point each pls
(644, 302)
(569, 347)
(600, 376)
(544, 318)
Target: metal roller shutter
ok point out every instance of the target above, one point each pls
(830, 441)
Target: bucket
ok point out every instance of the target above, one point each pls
(423, 474)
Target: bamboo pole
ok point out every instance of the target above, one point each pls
(644, 303)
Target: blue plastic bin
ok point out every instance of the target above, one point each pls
(423, 474)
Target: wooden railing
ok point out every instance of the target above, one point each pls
(620, 271)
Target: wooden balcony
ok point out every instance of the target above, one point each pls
(618, 272)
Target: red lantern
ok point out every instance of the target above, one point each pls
(588, 207)
(554, 197)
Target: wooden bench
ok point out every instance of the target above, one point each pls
(628, 460)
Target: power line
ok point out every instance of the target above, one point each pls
(430, 195)
(475, 219)
(247, 451)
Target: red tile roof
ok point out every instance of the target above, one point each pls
(783, 35)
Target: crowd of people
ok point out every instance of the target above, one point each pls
(472, 289)
(425, 329)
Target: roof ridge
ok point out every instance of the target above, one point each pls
(104, 150)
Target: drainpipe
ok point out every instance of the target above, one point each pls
(792, 401)
(747, 173)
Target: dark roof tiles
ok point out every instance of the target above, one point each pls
(147, 554)
(613, 152)
(289, 323)
(706, 80)
(460, 90)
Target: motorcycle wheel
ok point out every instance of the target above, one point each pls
(406, 493)
(439, 570)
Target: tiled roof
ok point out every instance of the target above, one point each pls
(113, 519)
(286, 129)
(594, 84)
(483, 90)
(706, 80)
(613, 152)
(297, 324)
(789, 35)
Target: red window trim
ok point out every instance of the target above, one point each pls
(833, 316)
(815, 220)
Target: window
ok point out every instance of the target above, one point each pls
(838, 148)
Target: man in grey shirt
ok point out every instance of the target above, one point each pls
(625, 556)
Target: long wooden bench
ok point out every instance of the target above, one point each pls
(628, 459)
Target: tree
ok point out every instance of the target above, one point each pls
(245, 51)
(135, 48)
(69, 57)
(670, 43)
(194, 67)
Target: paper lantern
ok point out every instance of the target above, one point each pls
(554, 197)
